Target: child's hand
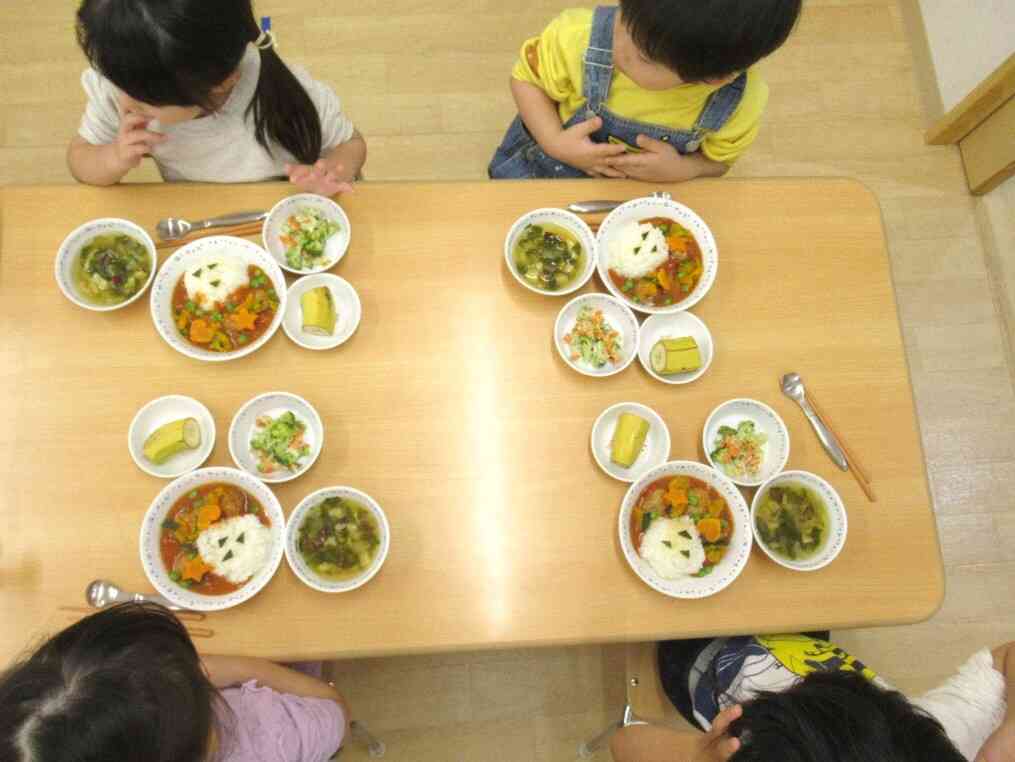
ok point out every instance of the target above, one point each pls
(658, 162)
(574, 146)
(715, 745)
(322, 178)
(134, 141)
(1000, 747)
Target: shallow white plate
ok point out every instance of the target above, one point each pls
(299, 566)
(334, 248)
(151, 528)
(674, 326)
(570, 222)
(656, 449)
(71, 248)
(766, 420)
(642, 209)
(835, 537)
(736, 556)
(242, 430)
(347, 305)
(164, 410)
(171, 272)
(617, 314)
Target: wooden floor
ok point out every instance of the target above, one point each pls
(426, 82)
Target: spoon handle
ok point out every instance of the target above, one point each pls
(152, 598)
(236, 218)
(828, 440)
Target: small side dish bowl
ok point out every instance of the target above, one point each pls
(174, 268)
(335, 247)
(835, 533)
(736, 556)
(70, 250)
(151, 529)
(573, 224)
(273, 404)
(165, 410)
(616, 314)
(654, 451)
(641, 209)
(299, 566)
(673, 326)
(348, 311)
(775, 450)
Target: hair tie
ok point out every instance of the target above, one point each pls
(265, 40)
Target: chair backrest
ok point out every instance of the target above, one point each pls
(645, 695)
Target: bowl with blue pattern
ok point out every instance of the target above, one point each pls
(152, 529)
(69, 254)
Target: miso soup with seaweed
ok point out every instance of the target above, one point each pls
(792, 521)
(339, 538)
(549, 257)
(111, 269)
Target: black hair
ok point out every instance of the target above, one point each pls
(708, 39)
(175, 52)
(123, 684)
(838, 717)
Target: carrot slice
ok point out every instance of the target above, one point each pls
(201, 331)
(710, 529)
(207, 516)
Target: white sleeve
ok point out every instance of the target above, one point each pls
(336, 128)
(101, 120)
(970, 705)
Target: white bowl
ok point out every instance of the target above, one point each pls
(645, 208)
(835, 538)
(766, 420)
(242, 429)
(161, 411)
(172, 270)
(299, 566)
(570, 222)
(616, 313)
(736, 556)
(151, 527)
(673, 326)
(334, 248)
(655, 451)
(71, 248)
(347, 304)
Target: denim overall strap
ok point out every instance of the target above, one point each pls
(719, 108)
(598, 73)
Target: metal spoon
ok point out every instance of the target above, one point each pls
(101, 593)
(172, 228)
(793, 387)
(602, 205)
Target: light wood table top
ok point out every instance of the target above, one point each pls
(452, 408)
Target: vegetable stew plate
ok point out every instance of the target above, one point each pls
(289, 413)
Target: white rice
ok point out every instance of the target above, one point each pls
(213, 277)
(668, 561)
(638, 249)
(247, 555)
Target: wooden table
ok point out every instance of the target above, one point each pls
(451, 407)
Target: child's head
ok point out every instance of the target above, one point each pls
(838, 717)
(706, 40)
(124, 684)
(171, 60)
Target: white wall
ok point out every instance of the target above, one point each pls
(968, 40)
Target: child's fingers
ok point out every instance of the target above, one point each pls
(630, 161)
(130, 121)
(725, 718)
(607, 171)
(343, 188)
(586, 128)
(299, 173)
(603, 150)
(651, 144)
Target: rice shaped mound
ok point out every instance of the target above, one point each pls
(638, 249)
(673, 548)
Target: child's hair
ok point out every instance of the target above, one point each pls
(839, 717)
(708, 39)
(124, 684)
(175, 52)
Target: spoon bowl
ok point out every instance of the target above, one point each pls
(175, 228)
(101, 593)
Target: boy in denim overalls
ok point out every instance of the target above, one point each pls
(655, 90)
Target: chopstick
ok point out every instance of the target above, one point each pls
(249, 228)
(183, 616)
(861, 474)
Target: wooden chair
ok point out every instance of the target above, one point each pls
(647, 702)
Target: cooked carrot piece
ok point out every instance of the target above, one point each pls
(201, 331)
(710, 529)
(242, 319)
(207, 516)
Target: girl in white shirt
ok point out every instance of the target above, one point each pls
(198, 86)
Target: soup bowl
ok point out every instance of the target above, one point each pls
(173, 269)
(70, 250)
(562, 219)
(646, 208)
(300, 567)
(151, 537)
(739, 551)
(835, 534)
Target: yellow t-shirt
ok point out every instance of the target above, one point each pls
(554, 62)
